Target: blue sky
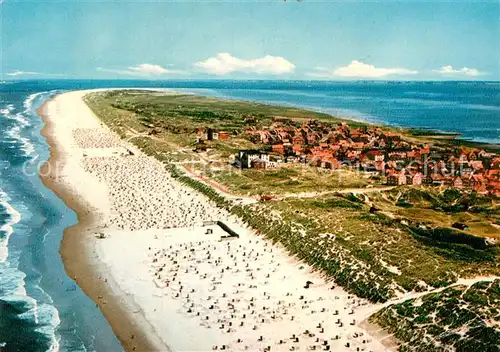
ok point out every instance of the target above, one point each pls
(200, 39)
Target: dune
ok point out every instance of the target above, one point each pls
(148, 252)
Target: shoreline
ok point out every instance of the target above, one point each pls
(133, 330)
(148, 313)
(149, 224)
(451, 138)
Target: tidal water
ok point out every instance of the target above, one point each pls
(41, 309)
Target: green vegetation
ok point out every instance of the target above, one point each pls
(371, 254)
(185, 113)
(376, 244)
(459, 318)
(445, 140)
(287, 179)
(168, 125)
(336, 202)
(430, 132)
(200, 187)
(435, 208)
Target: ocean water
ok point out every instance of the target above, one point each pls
(41, 309)
(471, 109)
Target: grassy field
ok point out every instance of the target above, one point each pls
(458, 319)
(290, 178)
(436, 207)
(354, 246)
(406, 245)
(175, 120)
(186, 112)
(372, 254)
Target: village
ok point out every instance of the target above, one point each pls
(368, 149)
(268, 173)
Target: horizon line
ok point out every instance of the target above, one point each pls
(247, 80)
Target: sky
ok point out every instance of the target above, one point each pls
(201, 39)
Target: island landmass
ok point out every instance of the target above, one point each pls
(394, 217)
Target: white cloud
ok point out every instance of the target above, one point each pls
(466, 71)
(359, 69)
(21, 73)
(224, 63)
(151, 69)
(143, 70)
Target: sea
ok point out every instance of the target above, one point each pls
(41, 308)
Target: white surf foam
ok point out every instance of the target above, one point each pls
(29, 109)
(21, 122)
(7, 110)
(7, 228)
(43, 314)
(28, 103)
(47, 317)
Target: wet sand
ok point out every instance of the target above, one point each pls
(79, 258)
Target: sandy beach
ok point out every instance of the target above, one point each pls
(146, 251)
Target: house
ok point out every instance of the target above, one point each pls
(312, 138)
(298, 149)
(209, 134)
(359, 146)
(326, 146)
(425, 150)
(298, 140)
(397, 156)
(495, 188)
(477, 180)
(427, 179)
(375, 155)
(397, 178)
(466, 180)
(223, 135)
(278, 148)
(438, 179)
(417, 178)
(292, 159)
(271, 165)
(495, 163)
(259, 164)
(380, 166)
(284, 136)
(353, 155)
(392, 179)
(480, 188)
(476, 164)
(493, 175)
(392, 136)
(245, 157)
(413, 155)
(320, 152)
(457, 182)
(330, 163)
